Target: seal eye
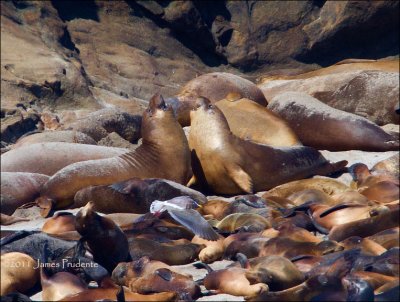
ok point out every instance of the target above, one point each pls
(210, 106)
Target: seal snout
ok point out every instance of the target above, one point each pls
(157, 102)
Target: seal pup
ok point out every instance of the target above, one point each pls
(57, 156)
(337, 130)
(18, 273)
(214, 86)
(231, 165)
(106, 241)
(163, 139)
(19, 188)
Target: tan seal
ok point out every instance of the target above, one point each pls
(214, 86)
(164, 153)
(254, 122)
(230, 165)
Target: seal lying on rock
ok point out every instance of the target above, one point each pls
(320, 126)
(230, 165)
(163, 140)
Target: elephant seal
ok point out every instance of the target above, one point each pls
(18, 188)
(106, 241)
(214, 86)
(251, 121)
(48, 158)
(66, 136)
(163, 140)
(133, 195)
(337, 130)
(230, 165)
(18, 273)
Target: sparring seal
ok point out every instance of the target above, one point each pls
(323, 127)
(48, 158)
(164, 153)
(214, 86)
(230, 165)
(251, 121)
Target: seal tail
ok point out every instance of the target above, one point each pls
(200, 265)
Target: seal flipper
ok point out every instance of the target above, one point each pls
(240, 177)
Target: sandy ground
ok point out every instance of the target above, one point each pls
(368, 158)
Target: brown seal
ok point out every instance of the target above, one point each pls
(389, 165)
(337, 130)
(233, 281)
(388, 238)
(366, 227)
(66, 136)
(367, 246)
(60, 285)
(133, 195)
(243, 221)
(18, 273)
(106, 241)
(230, 165)
(254, 122)
(169, 253)
(162, 280)
(164, 153)
(18, 188)
(48, 158)
(213, 250)
(326, 185)
(214, 86)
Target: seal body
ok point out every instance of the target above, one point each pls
(251, 121)
(231, 165)
(323, 127)
(164, 153)
(18, 188)
(214, 86)
(48, 158)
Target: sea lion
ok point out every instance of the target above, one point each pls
(162, 280)
(172, 254)
(18, 188)
(60, 285)
(363, 178)
(133, 195)
(242, 166)
(251, 121)
(383, 192)
(387, 238)
(48, 158)
(66, 136)
(376, 280)
(61, 222)
(213, 250)
(365, 227)
(368, 247)
(326, 185)
(106, 241)
(243, 221)
(291, 231)
(277, 272)
(163, 139)
(311, 195)
(231, 280)
(124, 272)
(337, 130)
(18, 273)
(213, 86)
